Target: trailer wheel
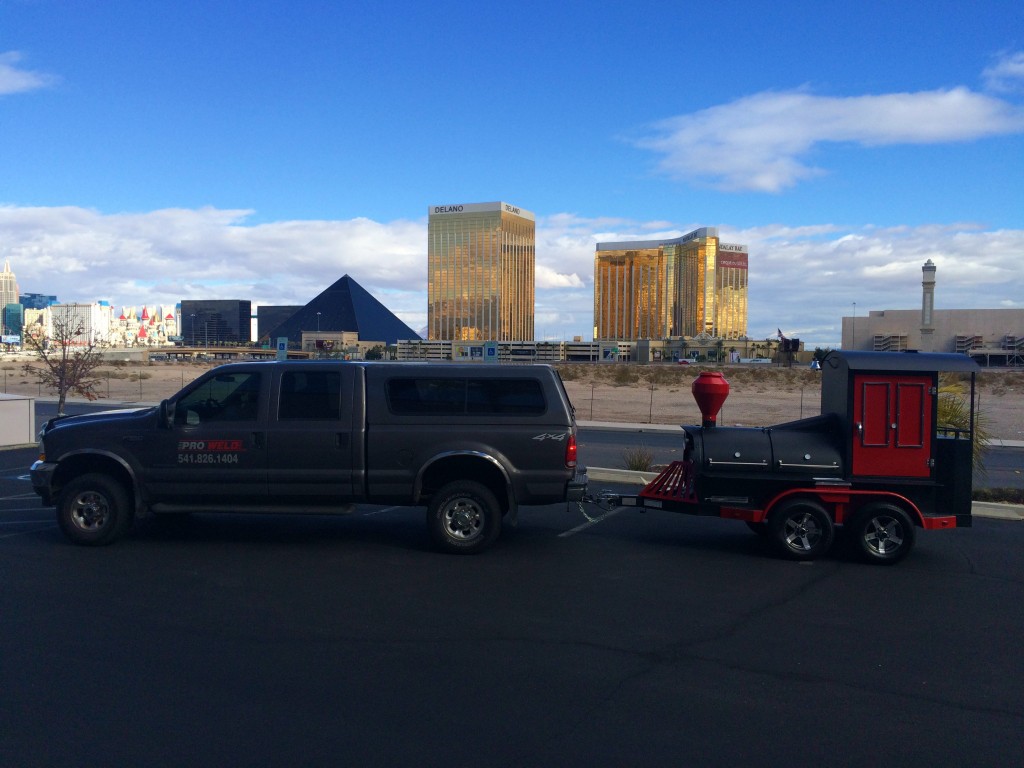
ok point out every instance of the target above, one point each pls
(802, 529)
(464, 517)
(93, 510)
(883, 533)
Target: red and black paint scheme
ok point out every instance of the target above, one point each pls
(874, 462)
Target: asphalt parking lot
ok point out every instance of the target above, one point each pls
(641, 639)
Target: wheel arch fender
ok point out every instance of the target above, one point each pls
(842, 504)
(466, 465)
(80, 463)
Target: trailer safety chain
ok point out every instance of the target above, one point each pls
(605, 500)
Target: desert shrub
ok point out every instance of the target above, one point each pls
(999, 495)
(625, 375)
(112, 374)
(665, 375)
(638, 458)
(569, 372)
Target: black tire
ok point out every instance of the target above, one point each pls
(882, 533)
(802, 529)
(93, 510)
(464, 518)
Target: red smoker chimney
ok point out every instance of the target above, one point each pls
(710, 390)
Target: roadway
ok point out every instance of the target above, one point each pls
(634, 639)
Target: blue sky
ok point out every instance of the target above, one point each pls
(155, 151)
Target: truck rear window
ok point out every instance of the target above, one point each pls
(524, 397)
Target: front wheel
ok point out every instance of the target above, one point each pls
(883, 533)
(802, 529)
(93, 510)
(464, 517)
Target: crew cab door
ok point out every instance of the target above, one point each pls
(314, 435)
(214, 451)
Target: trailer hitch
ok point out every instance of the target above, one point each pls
(606, 500)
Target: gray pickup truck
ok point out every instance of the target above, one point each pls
(469, 442)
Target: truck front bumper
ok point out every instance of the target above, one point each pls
(41, 473)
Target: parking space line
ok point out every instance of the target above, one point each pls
(26, 533)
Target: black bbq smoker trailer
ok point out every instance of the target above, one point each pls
(875, 461)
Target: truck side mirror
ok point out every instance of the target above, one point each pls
(166, 412)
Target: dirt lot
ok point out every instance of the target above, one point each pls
(658, 394)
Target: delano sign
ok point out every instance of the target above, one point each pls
(498, 207)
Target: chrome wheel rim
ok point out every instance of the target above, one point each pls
(803, 532)
(90, 511)
(884, 535)
(463, 519)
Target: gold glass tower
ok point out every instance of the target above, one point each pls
(651, 289)
(480, 272)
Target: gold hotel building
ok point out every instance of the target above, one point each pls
(480, 272)
(657, 289)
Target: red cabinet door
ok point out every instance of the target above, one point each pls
(892, 425)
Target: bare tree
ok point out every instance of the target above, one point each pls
(69, 360)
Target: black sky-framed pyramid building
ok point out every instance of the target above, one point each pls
(345, 306)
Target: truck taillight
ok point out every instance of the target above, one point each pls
(570, 451)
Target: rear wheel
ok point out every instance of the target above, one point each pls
(883, 533)
(802, 529)
(464, 517)
(93, 510)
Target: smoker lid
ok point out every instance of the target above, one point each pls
(899, 361)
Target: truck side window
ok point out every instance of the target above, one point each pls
(424, 395)
(225, 397)
(493, 396)
(500, 396)
(310, 395)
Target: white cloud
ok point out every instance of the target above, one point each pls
(804, 282)
(802, 279)
(15, 80)
(758, 143)
(1007, 74)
